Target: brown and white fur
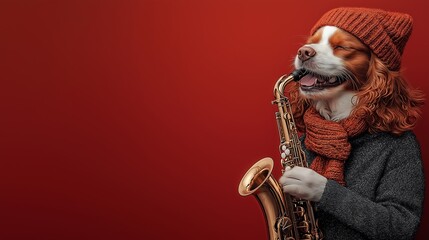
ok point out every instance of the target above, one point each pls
(331, 53)
(345, 76)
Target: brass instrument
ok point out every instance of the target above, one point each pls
(287, 217)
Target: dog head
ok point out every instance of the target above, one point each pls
(337, 64)
(353, 59)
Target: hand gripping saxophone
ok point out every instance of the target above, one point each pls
(287, 217)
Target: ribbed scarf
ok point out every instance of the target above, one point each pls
(330, 141)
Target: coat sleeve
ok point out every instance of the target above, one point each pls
(396, 210)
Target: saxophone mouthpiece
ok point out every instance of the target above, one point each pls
(298, 74)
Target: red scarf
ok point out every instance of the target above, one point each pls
(330, 141)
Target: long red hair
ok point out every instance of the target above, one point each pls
(385, 100)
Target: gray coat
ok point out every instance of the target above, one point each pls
(383, 196)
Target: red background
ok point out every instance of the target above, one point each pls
(137, 119)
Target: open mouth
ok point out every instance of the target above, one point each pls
(313, 81)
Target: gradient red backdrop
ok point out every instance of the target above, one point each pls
(137, 119)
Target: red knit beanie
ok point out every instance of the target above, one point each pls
(385, 33)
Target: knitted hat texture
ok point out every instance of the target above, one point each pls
(385, 33)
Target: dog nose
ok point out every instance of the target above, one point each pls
(305, 53)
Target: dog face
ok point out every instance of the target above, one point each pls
(337, 62)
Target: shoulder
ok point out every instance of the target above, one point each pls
(406, 142)
(387, 141)
(385, 149)
(400, 150)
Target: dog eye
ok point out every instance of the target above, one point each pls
(340, 47)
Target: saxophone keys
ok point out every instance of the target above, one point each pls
(284, 153)
(306, 237)
(300, 212)
(285, 150)
(304, 227)
(283, 224)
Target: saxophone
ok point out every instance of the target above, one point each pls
(286, 217)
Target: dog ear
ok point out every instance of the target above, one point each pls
(387, 101)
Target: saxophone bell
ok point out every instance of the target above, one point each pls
(259, 181)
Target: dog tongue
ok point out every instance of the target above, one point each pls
(308, 80)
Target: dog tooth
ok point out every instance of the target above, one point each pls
(332, 80)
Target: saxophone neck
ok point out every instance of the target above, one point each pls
(284, 80)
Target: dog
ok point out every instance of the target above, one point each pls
(345, 76)
(357, 115)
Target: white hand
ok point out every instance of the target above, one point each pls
(303, 183)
